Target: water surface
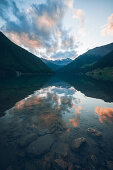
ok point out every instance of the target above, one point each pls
(38, 127)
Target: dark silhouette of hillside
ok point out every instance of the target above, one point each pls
(15, 59)
(87, 60)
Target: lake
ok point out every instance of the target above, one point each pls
(55, 123)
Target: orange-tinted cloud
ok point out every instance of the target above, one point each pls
(108, 29)
(69, 3)
(23, 39)
(45, 22)
(75, 122)
(28, 102)
(79, 14)
(78, 109)
(105, 114)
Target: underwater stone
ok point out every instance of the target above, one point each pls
(27, 139)
(94, 132)
(76, 143)
(9, 168)
(41, 145)
(43, 132)
(61, 149)
(94, 159)
(21, 153)
(30, 166)
(61, 163)
(109, 165)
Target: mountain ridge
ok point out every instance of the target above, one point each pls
(14, 59)
(89, 58)
(56, 64)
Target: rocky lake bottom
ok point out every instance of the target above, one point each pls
(59, 125)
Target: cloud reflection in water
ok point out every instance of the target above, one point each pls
(53, 106)
(105, 114)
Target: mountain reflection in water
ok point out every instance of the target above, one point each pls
(39, 130)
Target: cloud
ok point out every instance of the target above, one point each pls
(108, 29)
(68, 42)
(24, 39)
(69, 3)
(45, 22)
(39, 26)
(48, 16)
(80, 16)
(3, 6)
(66, 54)
(4, 3)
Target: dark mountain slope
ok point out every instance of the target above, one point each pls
(87, 59)
(106, 61)
(14, 58)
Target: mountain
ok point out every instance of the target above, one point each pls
(51, 65)
(106, 61)
(56, 64)
(14, 89)
(84, 61)
(103, 68)
(15, 59)
(62, 62)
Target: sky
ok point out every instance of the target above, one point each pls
(57, 29)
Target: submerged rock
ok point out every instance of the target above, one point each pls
(21, 153)
(91, 167)
(41, 145)
(30, 166)
(70, 166)
(94, 132)
(94, 159)
(60, 163)
(43, 132)
(26, 140)
(61, 149)
(76, 143)
(109, 165)
(9, 168)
